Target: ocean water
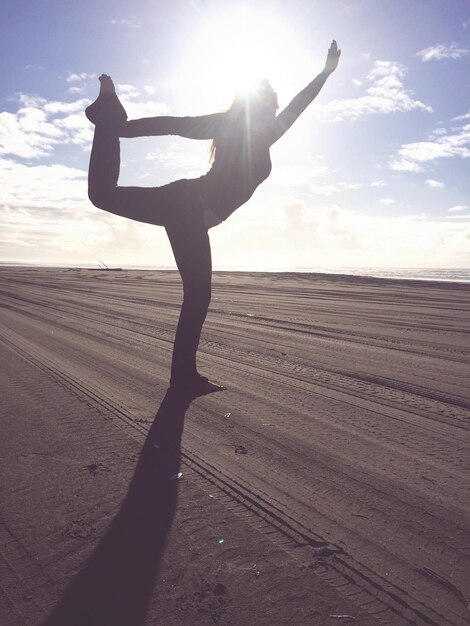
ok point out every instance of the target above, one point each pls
(461, 275)
(441, 274)
(409, 273)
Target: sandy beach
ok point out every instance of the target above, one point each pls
(328, 484)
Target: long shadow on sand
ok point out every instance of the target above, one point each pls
(116, 584)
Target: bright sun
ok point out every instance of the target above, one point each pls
(235, 49)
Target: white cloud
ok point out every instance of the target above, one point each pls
(81, 76)
(56, 108)
(32, 66)
(30, 100)
(328, 189)
(412, 156)
(333, 236)
(148, 108)
(387, 201)
(177, 158)
(59, 228)
(136, 107)
(18, 138)
(40, 126)
(300, 175)
(78, 128)
(414, 217)
(442, 51)
(435, 184)
(386, 94)
(51, 219)
(402, 165)
(460, 118)
(323, 227)
(312, 177)
(438, 132)
(131, 22)
(458, 207)
(127, 90)
(351, 186)
(54, 186)
(79, 81)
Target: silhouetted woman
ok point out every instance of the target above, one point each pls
(186, 208)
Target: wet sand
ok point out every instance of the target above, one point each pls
(328, 484)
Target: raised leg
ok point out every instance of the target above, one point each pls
(108, 115)
(152, 205)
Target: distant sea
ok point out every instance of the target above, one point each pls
(461, 274)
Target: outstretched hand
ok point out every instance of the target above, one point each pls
(332, 58)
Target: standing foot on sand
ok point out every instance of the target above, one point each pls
(106, 109)
(198, 386)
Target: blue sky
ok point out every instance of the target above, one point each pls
(374, 173)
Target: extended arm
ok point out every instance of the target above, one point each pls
(200, 127)
(287, 117)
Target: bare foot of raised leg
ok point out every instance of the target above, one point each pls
(106, 84)
(106, 109)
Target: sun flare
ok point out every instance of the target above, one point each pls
(233, 50)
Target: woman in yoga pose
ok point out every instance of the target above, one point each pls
(241, 138)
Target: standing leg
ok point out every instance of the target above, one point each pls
(191, 246)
